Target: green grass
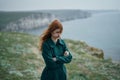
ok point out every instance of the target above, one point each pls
(18, 57)
(21, 60)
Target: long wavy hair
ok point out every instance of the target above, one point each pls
(55, 24)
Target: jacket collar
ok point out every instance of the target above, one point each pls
(52, 44)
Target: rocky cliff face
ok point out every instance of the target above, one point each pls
(30, 22)
(23, 21)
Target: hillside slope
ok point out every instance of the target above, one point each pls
(21, 60)
(27, 20)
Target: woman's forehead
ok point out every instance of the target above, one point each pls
(57, 30)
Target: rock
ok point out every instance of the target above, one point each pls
(96, 52)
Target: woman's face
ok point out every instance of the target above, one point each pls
(56, 33)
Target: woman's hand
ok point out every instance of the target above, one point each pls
(54, 59)
(66, 53)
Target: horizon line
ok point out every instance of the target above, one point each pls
(56, 9)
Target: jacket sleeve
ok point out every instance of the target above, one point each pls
(64, 59)
(47, 56)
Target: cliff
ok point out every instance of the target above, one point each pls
(23, 21)
(21, 60)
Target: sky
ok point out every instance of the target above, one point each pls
(23, 5)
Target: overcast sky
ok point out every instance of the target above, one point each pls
(13, 5)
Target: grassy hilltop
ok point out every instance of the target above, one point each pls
(21, 60)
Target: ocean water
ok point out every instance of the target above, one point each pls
(101, 30)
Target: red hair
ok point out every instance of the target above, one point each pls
(47, 33)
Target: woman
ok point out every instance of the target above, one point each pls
(54, 52)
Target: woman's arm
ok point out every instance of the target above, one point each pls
(47, 56)
(67, 56)
(64, 59)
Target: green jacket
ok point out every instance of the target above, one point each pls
(55, 70)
